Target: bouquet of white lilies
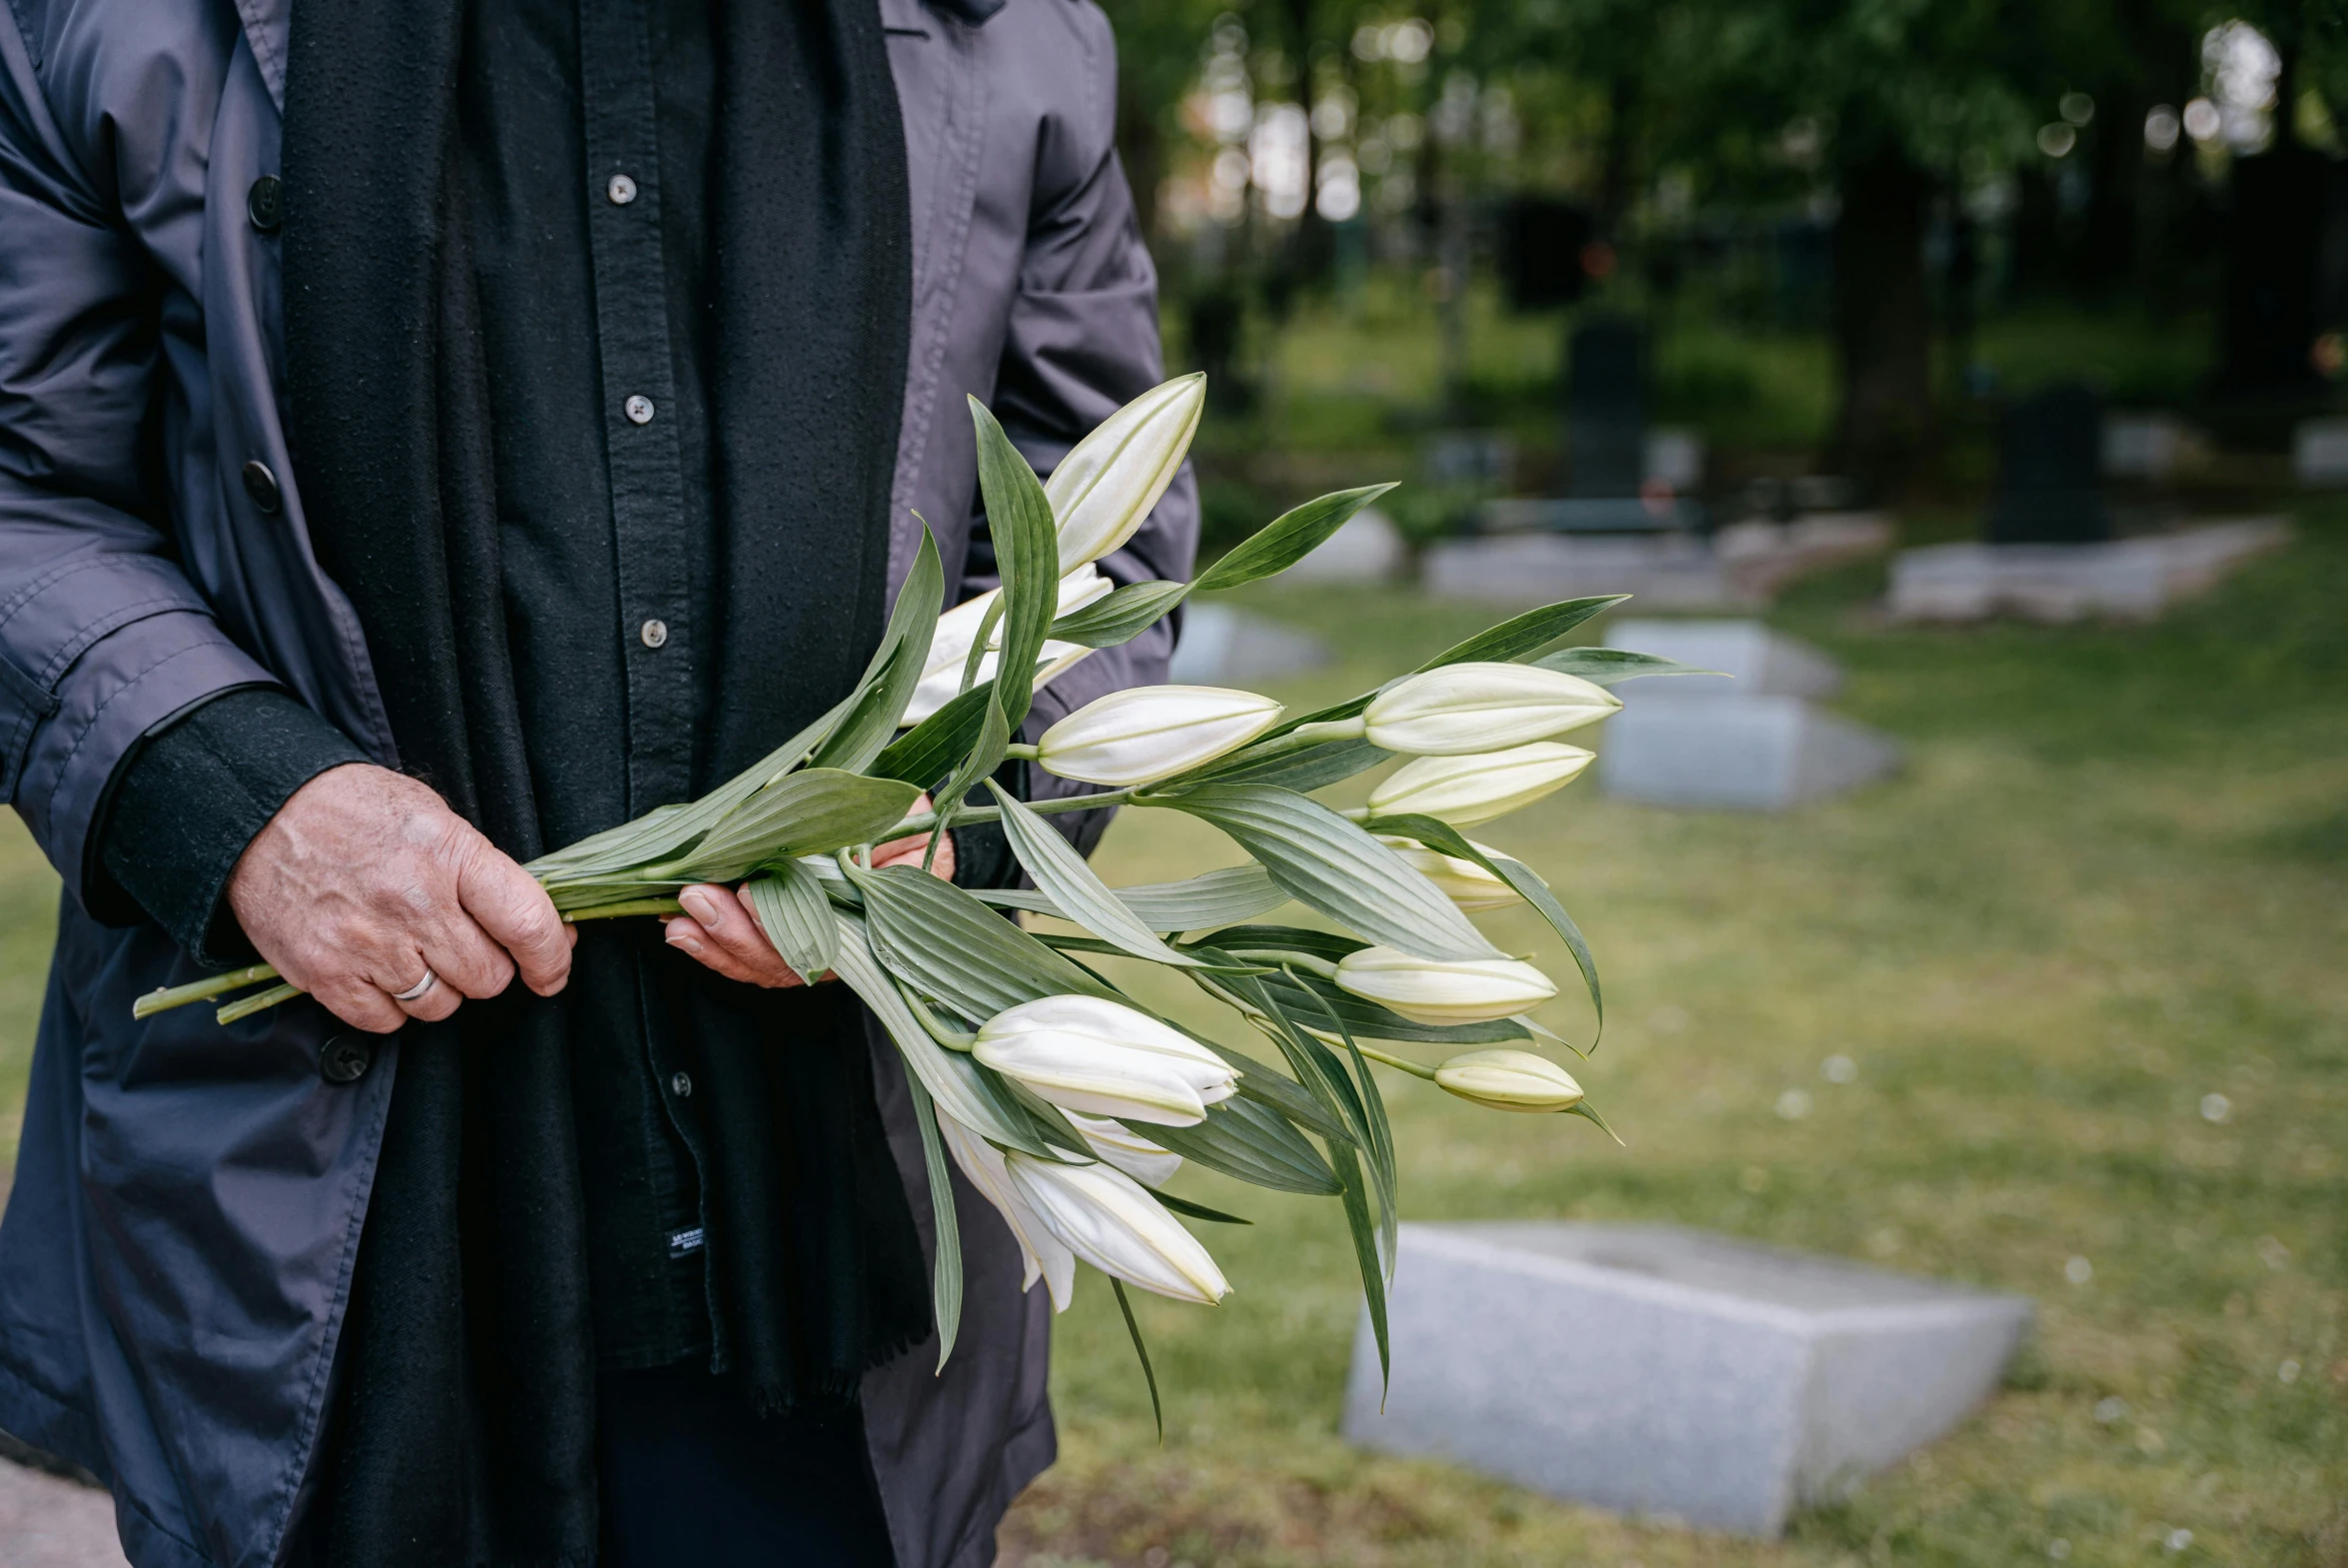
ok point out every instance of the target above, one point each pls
(1062, 1100)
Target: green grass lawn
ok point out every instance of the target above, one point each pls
(2108, 886)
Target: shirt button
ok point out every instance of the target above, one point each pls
(265, 204)
(346, 1058)
(621, 189)
(654, 633)
(683, 1086)
(639, 408)
(261, 485)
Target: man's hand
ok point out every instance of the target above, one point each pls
(365, 878)
(723, 931)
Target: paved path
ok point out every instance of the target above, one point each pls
(49, 1522)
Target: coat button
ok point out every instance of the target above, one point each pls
(638, 410)
(261, 485)
(682, 1086)
(653, 633)
(346, 1058)
(265, 203)
(621, 190)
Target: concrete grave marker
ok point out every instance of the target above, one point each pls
(1667, 1373)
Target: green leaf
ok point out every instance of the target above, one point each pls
(888, 685)
(948, 946)
(811, 812)
(1371, 1021)
(946, 1270)
(1214, 1216)
(1609, 665)
(1027, 552)
(1134, 1328)
(1524, 633)
(1442, 838)
(1247, 1141)
(1286, 539)
(1334, 867)
(1357, 1221)
(928, 751)
(1120, 615)
(797, 919)
(1312, 767)
(1589, 1112)
(669, 830)
(1380, 1145)
(1329, 946)
(958, 1083)
(1236, 892)
(1072, 885)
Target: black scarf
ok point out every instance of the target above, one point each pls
(465, 1427)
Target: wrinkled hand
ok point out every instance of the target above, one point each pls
(364, 876)
(721, 928)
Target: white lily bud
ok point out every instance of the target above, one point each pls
(1047, 1256)
(1103, 489)
(949, 646)
(1457, 709)
(1105, 1217)
(1126, 1150)
(1152, 732)
(1091, 1055)
(1439, 991)
(1468, 885)
(1476, 787)
(1510, 1081)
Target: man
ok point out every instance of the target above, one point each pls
(430, 433)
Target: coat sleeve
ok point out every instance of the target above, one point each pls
(102, 636)
(1081, 342)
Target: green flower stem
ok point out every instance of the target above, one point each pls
(1020, 750)
(1412, 1067)
(1302, 738)
(952, 1040)
(608, 911)
(200, 990)
(994, 813)
(246, 1006)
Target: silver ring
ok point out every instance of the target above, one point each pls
(416, 990)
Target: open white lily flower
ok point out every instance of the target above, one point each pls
(1126, 1150)
(1046, 1255)
(1102, 491)
(1152, 732)
(1457, 709)
(1106, 1217)
(1091, 1055)
(1468, 885)
(1441, 992)
(1478, 786)
(950, 647)
(1510, 1081)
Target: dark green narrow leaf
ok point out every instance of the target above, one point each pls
(1214, 1216)
(896, 670)
(1590, 1112)
(1134, 1328)
(946, 944)
(1310, 767)
(1286, 539)
(1060, 873)
(1247, 1141)
(1120, 615)
(945, 1271)
(928, 751)
(1374, 1290)
(1381, 1148)
(981, 640)
(1524, 633)
(1609, 665)
(1027, 552)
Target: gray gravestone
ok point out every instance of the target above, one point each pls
(1667, 1373)
(1221, 646)
(2050, 469)
(1751, 738)
(1367, 549)
(2127, 579)
(1605, 410)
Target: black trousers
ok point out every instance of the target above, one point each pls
(692, 1477)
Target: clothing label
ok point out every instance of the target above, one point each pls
(682, 1242)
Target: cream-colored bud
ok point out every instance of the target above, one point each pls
(1152, 732)
(1457, 709)
(1045, 1256)
(1439, 991)
(1107, 1219)
(1479, 786)
(1103, 489)
(949, 646)
(1126, 1150)
(1510, 1081)
(1091, 1055)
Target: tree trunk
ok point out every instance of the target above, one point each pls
(1882, 321)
